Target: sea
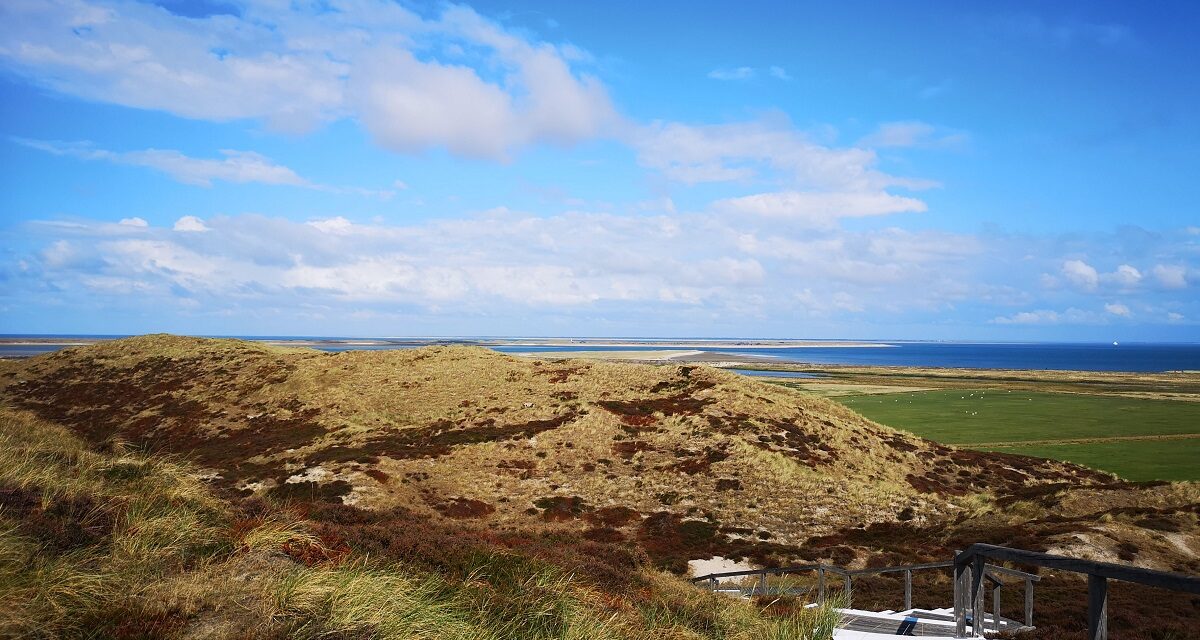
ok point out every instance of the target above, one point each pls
(1135, 357)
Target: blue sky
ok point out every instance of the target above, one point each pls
(993, 171)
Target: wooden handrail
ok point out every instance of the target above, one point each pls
(1122, 572)
(857, 572)
(969, 569)
(848, 576)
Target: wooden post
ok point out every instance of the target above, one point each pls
(821, 585)
(712, 584)
(762, 584)
(907, 589)
(977, 626)
(961, 575)
(1097, 607)
(1028, 602)
(847, 590)
(996, 606)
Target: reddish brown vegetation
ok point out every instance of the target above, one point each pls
(642, 411)
(454, 549)
(613, 516)
(438, 439)
(63, 524)
(310, 491)
(963, 471)
(628, 448)
(559, 508)
(692, 463)
(463, 508)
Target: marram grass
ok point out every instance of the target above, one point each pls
(115, 543)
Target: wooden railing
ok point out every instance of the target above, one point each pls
(970, 568)
(992, 573)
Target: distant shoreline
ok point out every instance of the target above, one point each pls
(665, 343)
(775, 354)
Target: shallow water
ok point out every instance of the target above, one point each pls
(1143, 357)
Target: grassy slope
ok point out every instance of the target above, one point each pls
(466, 432)
(122, 545)
(984, 418)
(1138, 460)
(459, 454)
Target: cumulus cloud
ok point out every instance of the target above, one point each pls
(768, 148)
(1171, 276)
(1125, 276)
(298, 66)
(190, 224)
(494, 260)
(645, 267)
(1081, 274)
(1117, 309)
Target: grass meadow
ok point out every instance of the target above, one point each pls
(1138, 439)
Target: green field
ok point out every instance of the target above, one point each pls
(1134, 438)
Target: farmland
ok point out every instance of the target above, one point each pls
(1138, 439)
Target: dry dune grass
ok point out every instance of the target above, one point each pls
(426, 427)
(114, 544)
(489, 471)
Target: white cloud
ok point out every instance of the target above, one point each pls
(1125, 276)
(240, 167)
(642, 266)
(236, 166)
(914, 134)
(1048, 317)
(1174, 317)
(298, 66)
(59, 254)
(820, 208)
(770, 148)
(190, 224)
(1042, 316)
(748, 73)
(337, 226)
(497, 259)
(1081, 274)
(736, 73)
(134, 222)
(1171, 276)
(1117, 309)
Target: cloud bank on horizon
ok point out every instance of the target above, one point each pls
(370, 167)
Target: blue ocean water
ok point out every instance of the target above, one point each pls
(1140, 357)
(756, 373)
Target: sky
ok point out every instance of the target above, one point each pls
(873, 170)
